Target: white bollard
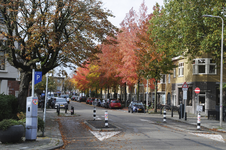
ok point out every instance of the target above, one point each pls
(198, 121)
(106, 119)
(94, 113)
(164, 116)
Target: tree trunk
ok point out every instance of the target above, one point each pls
(138, 90)
(155, 104)
(101, 93)
(23, 90)
(108, 93)
(125, 96)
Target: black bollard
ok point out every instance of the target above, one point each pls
(171, 111)
(185, 117)
(66, 109)
(179, 114)
(72, 110)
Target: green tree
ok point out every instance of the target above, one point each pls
(180, 27)
(55, 32)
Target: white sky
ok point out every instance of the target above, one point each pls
(120, 8)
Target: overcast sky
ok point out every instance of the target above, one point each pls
(120, 8)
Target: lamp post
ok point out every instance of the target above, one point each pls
(46, 98)
(221, 73)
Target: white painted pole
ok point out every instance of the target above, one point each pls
(106, 119)
(46, 96)
(198, 121)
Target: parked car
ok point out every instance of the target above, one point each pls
(114, 103)
(92, 100)
(98, 102)
(62, 102)
(106, 104)
(136, 107)
(82, 99)
(51, 102)
(66, 97)
(88, 99)
(102, 103)
(74, 98)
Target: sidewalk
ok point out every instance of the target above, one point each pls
(52, 137)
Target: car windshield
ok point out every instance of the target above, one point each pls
(63, 96)
(137, 104)
(114, 101)
(60, 100)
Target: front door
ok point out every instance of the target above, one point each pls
(202, 97)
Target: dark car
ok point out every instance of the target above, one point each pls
(82, 99)
(51, 102)
(74, 98)
(106, 104)
(136, 107)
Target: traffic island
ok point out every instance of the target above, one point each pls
(99, 125)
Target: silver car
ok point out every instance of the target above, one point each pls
(62, 102)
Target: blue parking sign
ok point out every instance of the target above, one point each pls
(38, 76)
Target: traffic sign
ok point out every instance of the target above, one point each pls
(38, 76)
(197, 90)
(185, 85)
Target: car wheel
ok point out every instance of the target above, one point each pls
(128, 111)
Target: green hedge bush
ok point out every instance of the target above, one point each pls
(8, 107)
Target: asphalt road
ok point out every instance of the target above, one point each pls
(139, 131)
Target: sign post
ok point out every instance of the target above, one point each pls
(185, 89)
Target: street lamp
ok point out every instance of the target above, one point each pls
(221, 73)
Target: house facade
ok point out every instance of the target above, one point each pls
(200, 72)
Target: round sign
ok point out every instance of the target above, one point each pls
(197, 90)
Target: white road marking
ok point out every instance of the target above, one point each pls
(211, 136)
(104, 135)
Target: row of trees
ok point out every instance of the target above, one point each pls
(53, 32)
(146, 43)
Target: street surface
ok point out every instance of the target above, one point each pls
(139, 132)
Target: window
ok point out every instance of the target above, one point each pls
(169, 78)
(181, 69)
(2, 60)
(204, 66)
(163, 79)
(174, 72)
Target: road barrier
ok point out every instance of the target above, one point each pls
(58, 109)
(72, 110)
(94, 113)
(198, 121)
(164, 115)
(106, 118)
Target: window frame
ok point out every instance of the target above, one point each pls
(206, 62)
(181, 69)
